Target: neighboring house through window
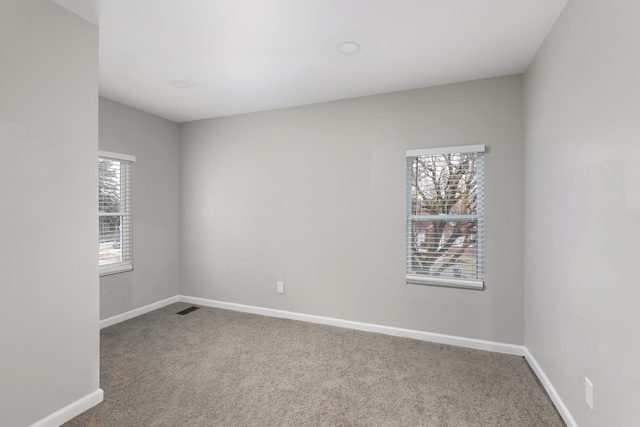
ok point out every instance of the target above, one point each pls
(115, 212)
(445, 216)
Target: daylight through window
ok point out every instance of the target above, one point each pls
(445, 216)
(115, 212)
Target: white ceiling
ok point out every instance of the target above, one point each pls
(243, 56)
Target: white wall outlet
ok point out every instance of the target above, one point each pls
(280, 287)
(588, 392)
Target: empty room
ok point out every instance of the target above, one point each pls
(319, 213)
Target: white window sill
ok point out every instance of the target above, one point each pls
(445, 282)
(107, 270)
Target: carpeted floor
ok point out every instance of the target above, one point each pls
(215, 367)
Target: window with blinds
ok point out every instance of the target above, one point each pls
(445, 217)
(115, 212)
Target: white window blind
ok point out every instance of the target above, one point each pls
(115, 212)
(445, 216)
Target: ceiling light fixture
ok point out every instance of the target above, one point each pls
(181, 84)
(348, 48)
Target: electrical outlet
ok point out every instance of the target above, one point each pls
(588, 392)
(280, 287)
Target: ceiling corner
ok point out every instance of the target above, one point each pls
(83, 8)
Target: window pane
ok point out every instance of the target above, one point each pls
(110, 239)
(109, 184)
(444, 184)
(444, 249)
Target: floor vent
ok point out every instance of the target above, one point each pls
(188, 310)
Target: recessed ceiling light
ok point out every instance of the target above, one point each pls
(181, 84)
(348, 48)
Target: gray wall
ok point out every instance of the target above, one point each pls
(48, 144)
(582, 187)
(315, 196)
(154, 142)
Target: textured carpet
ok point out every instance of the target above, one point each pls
(215, 367)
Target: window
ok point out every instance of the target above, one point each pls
(115, 212)
(445, 217)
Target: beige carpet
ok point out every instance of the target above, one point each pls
(215, 367)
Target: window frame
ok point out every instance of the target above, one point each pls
(424, 279)
(125, 264)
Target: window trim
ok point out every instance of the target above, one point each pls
(415, 279)
(115, 268)
(480, 148)
(117, 156)
(122, 266)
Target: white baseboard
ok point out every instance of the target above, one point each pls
(517, 350)
(137, 312)
(551, 391)
(72, 410)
